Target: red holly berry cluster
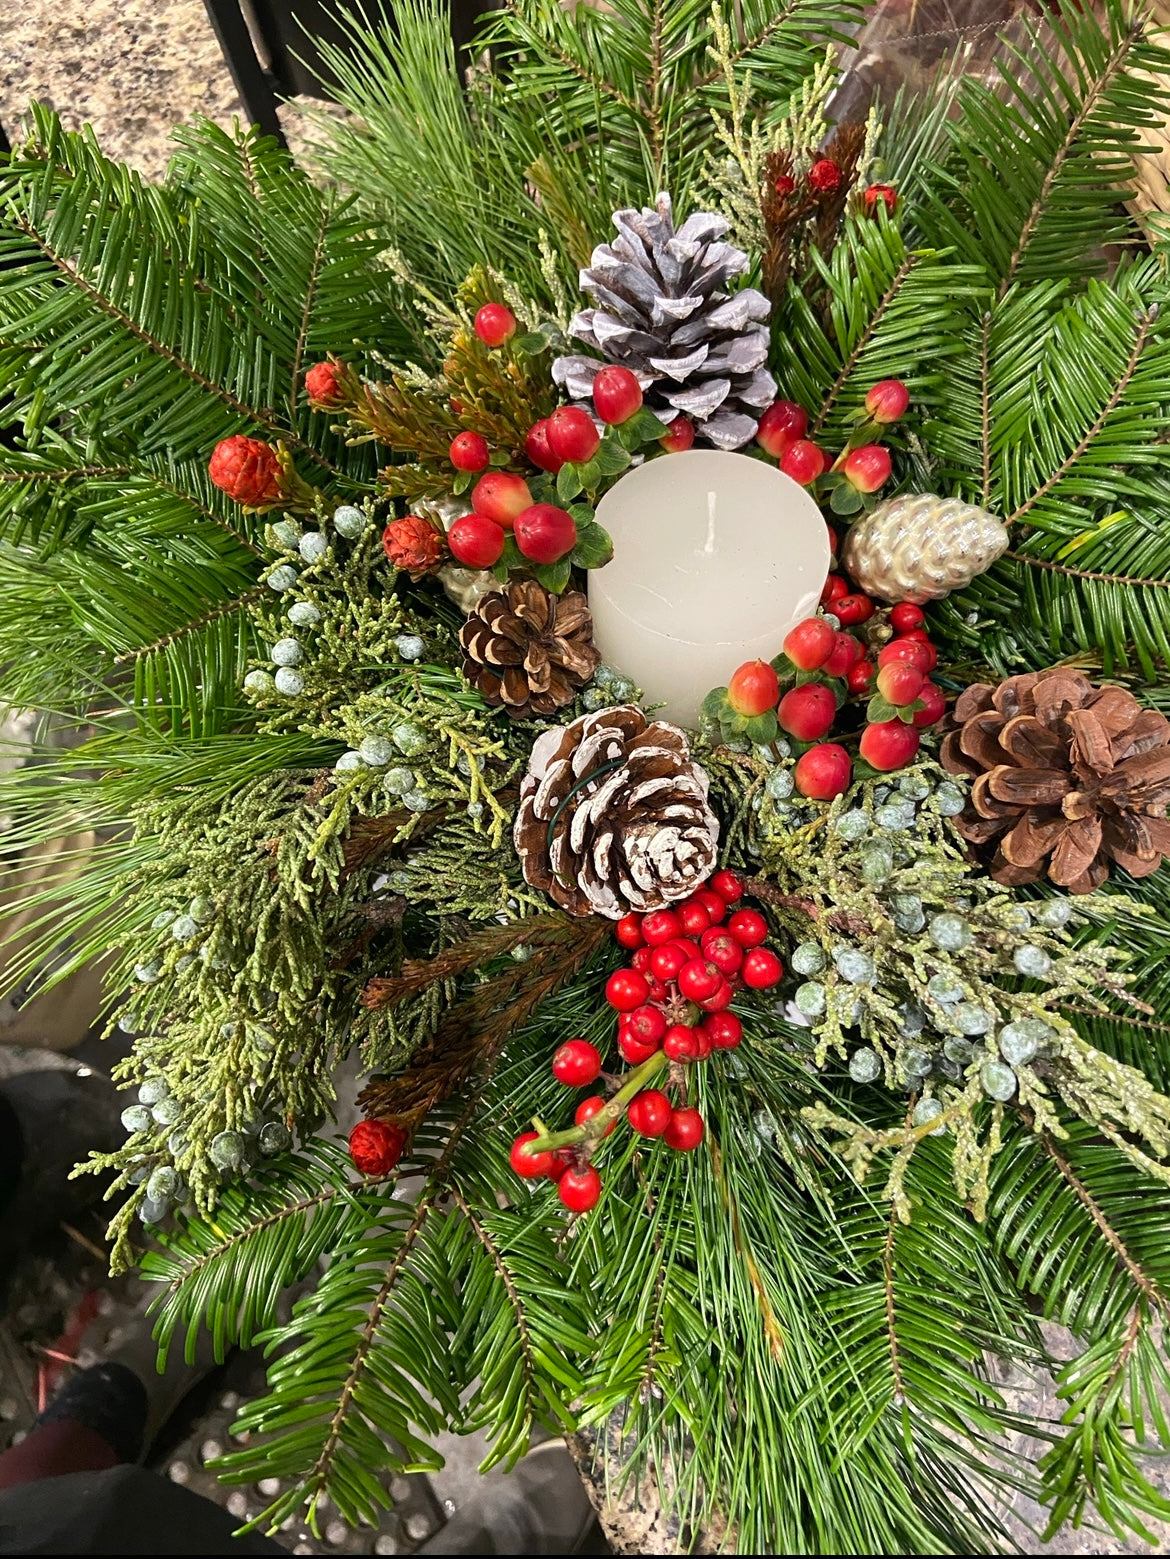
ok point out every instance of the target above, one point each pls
(376, 1146)
(862, 467)
(672, 1002)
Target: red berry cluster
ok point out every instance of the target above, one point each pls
(376, 1146)
(859, 470)
(672, 1002)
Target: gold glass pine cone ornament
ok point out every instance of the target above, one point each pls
(919, 547)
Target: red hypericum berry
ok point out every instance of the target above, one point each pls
(748, 927)
(880, 194)
(681, 1043)
(617, 395)
(539, 450)
(684, 1131)
(714, 903)
(501, 495)
(915, 652)
(579, 1189)
(626, 989)
(633, 1051)
(658, 991)
(702, 1041)
(859, 677)
(649, 1112)
(833, 539)
(628, 931)
(852, 610)
(722, 996)
(562, 1160)
(780, 427)
(694, 916)
(727, 885)
(495, 324)
(647, 1025)
(753, 689)
(723, 1029)
(804, 462)
(809, 645)
(721, 948)
(325, 386)
(824, 176)
(762, 969)
(934, 706)
(577, 1063)
(807, 712)
(867, 468)
(679, 436)
(246, 469)
(469, 452)
(641, 960)
(531, 1165)
(476, 541)
(845, 654)
(572, 435)
(888, 400)
(785, 184)
(835, 587)
(376, 1146)
(888, 744)
(823, 772)
(412, 543)
(666, 961)
(688, 947)
(698, 979)
(587, 1109)
(906, 617)
(899, 682)
(544, 533)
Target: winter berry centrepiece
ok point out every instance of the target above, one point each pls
(672, 1002)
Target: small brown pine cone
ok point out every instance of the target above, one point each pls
(528, 649)
(1069, 779)
(613, 815)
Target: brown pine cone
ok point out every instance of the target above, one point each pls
(1070, 779)
(527, 649)
(613, 815)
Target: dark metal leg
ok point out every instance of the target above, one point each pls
(253, 82)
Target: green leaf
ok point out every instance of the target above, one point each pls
(715, 706)
(531, 344)
(594, 547)
(569, 481)
(610, 460)
(879, 710)
(846, 499)
(642, 428)
(462, 481)
(553, 576)
(764, 728)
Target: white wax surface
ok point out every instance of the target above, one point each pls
(716, 556)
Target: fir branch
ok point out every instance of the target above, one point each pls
(772, 1330)
(985, 405)
(899, 278)
(1129, 581)
(307, 309)
(471, 952)
(196, 625)
(500, 1266)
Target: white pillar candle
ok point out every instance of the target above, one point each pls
(716, 556)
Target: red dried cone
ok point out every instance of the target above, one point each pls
(325, 386)
(246, 469)
(376, 1146)
(412, 543)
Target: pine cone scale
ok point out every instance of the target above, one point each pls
(1069, 778)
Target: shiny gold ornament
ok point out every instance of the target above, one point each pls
(919, 547)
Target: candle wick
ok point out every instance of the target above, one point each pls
(709, 544)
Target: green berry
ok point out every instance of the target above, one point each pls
(282, 578)
(810, 998)
(348, 521)
(286, 533)
(258, 682)
(398, 780)
(313, 546)
(167, 1111)
(475, 809)
(410, 646)
(286, 652)
(928, 1110)
(852, 826)
(274, 1138)
(780, 784)
(950, 932)
(594, 698)
(1054, 914)
(349, 762)
(944, 989)
(410, 739)
(184, 928)
(289, 682)
(150, 1211)
(915, 1062)
(807, 958)
(376, 751)
(961, 1051)
(998, 1080)
(894, 817)
(855, 966)
(162, 920)
(877, 863)
(136, 1117)
(865, 1066)
(1021, 1041)
(916, 786)
(949, 800)
(912, 1019)
(907, 912)
(201, 909)
(416, 800)
(1032, 962)
(163, 1185)
(148, 973)
(969, 1018)
(303, 614)
(227, 1151)
(153, 1089)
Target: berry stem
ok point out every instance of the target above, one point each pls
(600, 1123)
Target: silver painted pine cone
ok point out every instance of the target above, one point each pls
(919, 547)
(614, 815)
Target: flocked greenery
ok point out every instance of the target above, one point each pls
(796, 1357)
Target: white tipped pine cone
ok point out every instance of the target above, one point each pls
(919, 547)
(613, 815)
(664, 308)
